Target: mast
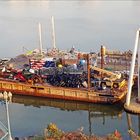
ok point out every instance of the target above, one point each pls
(88, 70)
(102, 56)
(53, 33)
(40, 37)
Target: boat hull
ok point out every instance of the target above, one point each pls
(48, 91)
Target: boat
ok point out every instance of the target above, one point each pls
(110, 90)
(49, 91)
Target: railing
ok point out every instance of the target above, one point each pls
(6, 96)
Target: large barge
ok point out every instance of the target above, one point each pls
(76, 94)
(110, 87)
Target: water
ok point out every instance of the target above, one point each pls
(86, 25)
(29, 116)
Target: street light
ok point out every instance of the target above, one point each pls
(7, 96)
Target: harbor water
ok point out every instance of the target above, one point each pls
(85, 24)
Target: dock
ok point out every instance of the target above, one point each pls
(134, 107)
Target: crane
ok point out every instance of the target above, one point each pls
(114, 80)
(113, 76)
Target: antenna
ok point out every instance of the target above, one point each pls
(53, 33)
(40, 37)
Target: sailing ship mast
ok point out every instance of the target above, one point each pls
(40, 37)
(53, 33)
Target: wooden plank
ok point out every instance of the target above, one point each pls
(82, 95)
(27, 89)
(56, 92)
(70, 93)
(0, 85)
(47, 90)
(16, 87)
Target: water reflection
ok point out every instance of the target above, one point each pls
(36, 113)
(95, 110)
(133, 133)
(139, 125)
